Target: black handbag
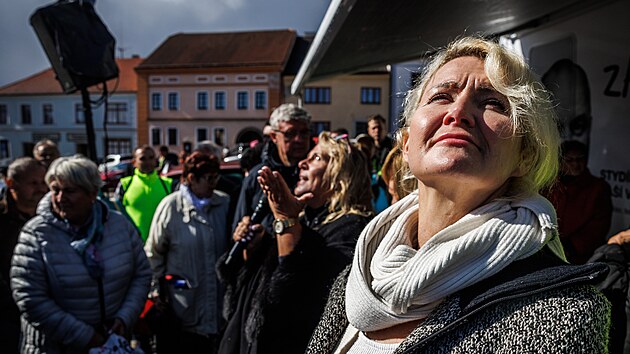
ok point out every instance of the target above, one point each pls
(163, 320)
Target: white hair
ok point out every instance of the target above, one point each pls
(76, 170)
(287, 112)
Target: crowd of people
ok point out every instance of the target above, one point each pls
(470, 229)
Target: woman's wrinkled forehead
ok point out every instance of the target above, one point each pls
(449, 73)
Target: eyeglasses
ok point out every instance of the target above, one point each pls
(211, 178)
(291, 134)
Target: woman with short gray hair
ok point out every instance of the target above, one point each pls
(79, 270)
(76, 170)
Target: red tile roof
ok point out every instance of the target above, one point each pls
(203, 50)
(45, 83)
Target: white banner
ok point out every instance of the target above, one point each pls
(594, 48)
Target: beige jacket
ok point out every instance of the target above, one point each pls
(187, 242)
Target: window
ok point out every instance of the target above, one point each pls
(173, 101)
(202, 134)
(219, 136)
(318, 127)
(172, 136)
(4, 149)
(370, 95)
(78, 113)
(261, 100)
(241, 100)
(317, 95)
(156, 136)
(117, 113)
(156, 101)
(119, 146)
(4, 116)
(202, 101)
(81, 148)
(219, 100)
(47, 113)
(360, 127)
(260, 78)
(25, 109)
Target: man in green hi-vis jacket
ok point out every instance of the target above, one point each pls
(140, 193)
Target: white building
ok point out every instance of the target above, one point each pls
(36, 108)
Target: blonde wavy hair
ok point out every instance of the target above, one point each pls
(347, 177)
(395, 168)
(531, 111)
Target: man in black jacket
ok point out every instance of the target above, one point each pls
(289, 144)
(377, 130)
(25, 187)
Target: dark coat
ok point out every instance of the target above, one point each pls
(535, 305)
(51, 285)
(272, 305)
(251, 192)
(9, 320)
(616, 287)
(11, 222)
(584, 208)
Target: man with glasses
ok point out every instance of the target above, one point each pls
(140, 193)
(289, 143)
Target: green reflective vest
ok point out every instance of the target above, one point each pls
(143, 193)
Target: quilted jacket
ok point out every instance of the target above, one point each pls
(57, 298)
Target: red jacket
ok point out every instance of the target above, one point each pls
(584, 208)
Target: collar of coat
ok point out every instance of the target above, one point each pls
(538, 273)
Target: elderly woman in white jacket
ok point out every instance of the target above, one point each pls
(187, 236)
(78, 269)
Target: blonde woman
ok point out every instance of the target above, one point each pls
(395, 172)
(472, 261)
(279, 292)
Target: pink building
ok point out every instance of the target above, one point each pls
(211, 86)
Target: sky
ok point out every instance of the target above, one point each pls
(140, 26)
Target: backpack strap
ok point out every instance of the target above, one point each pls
(125, 188)
(164, 186)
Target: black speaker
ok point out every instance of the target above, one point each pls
(78, 44)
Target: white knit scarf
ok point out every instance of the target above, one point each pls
(391, 282)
